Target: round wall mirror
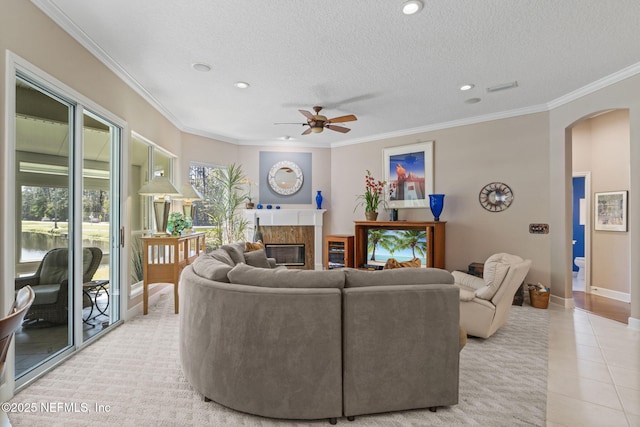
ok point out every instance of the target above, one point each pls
(285, 178)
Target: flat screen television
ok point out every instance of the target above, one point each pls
(403, 245)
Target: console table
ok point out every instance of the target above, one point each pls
(435, 238)
(163, 260)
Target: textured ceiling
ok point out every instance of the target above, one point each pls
(396, 73)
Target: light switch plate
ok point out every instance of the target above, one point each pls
(539, 228)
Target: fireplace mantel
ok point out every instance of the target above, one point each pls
(294, 217)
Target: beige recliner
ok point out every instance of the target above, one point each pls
(485, 302)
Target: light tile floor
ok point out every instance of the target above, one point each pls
(594, 371)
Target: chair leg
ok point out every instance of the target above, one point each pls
(351, 418)
(433, 408)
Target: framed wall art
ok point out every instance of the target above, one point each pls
(408, 170)
(611, 211)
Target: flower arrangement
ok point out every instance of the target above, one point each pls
(177, 223)
(373, 191)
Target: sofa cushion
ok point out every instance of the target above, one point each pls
(394, 263)
(244, 274)
(235, 251)
(253, 246)
(223, 256)
(257, 258)
(210, 268)
(399, 276)
(496, 268)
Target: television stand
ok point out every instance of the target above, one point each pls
(435, 239)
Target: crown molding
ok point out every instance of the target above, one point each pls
(616, 77)
(63, 21)
(445, 125)
(55, 14)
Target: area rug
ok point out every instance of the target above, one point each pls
(132, 377)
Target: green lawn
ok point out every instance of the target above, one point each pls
(93, 231)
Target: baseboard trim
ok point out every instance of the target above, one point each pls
(617, 295)
(564, 302)
(155, 290)
(634, 324)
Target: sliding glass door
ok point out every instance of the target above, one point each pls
(67, 224)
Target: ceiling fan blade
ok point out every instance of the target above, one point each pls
(290, 123)
(342, 119)
(307, 114)
(338, 128)
(307, 132)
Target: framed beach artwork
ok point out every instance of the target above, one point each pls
(408, 170)
(611, 211)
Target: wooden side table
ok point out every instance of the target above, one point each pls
(163, 261)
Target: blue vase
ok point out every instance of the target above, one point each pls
(319, 199)
(436, 203)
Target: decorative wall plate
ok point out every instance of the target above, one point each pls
(496, 197)
(285, 178)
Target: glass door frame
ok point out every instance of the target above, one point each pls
(16, 65)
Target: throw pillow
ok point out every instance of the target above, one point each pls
(235, 251)
(243, 274)
(222, 256)
(210, 268)
(251, 246)
(394, 263)
(257, 258)
(400, 276)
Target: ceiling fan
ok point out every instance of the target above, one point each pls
(318, 122)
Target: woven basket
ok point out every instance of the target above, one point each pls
(539, 299)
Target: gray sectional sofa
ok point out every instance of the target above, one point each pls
(300, 344)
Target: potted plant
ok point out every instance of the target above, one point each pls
(178, 223)
(372, 197)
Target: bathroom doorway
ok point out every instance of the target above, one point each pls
(581, 204)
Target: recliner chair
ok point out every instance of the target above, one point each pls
(49, 283)
(485, 302)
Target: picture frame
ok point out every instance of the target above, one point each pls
(611, 211)
(408, 171)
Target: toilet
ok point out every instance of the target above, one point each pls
(579, 261)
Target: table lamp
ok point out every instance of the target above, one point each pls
(189, 194)
(160, 186)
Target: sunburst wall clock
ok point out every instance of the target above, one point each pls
(496, 197)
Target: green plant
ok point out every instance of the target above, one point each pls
(177, 223)
(224, 205)
(372, 197)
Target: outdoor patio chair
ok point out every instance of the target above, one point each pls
(50, 283)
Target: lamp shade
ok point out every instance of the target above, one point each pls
(188, 192)
(159, 186)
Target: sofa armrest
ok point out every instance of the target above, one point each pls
(400, 347)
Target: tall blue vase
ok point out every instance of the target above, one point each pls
(436, 203)
(319, 199)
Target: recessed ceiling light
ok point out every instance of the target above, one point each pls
(467, 87)
(411, 7)
(472, 101)
(241, 85)
(200, 66)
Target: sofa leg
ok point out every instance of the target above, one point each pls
(333, 421)
(433, 408)
(351, 418)
(206, 399)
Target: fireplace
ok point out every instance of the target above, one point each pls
(289, 254)
(291, 227)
